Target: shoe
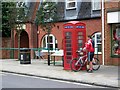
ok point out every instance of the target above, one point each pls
(90, 71)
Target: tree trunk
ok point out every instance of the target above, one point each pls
(19, 46)
(12, 44)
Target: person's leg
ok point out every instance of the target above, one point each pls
(91, 58)
(88, 63)
(91, 66)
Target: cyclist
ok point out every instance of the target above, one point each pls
(90, 52)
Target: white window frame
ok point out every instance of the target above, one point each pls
(96, 3)
(46, 43)
(54, 1)
(71, 1)
(96, 43)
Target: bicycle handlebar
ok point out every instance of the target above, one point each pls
(80, 52)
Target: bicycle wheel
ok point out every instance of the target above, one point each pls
(96, 64)
(73, 65)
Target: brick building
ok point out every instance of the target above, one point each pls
(89, 13)
(112, 32)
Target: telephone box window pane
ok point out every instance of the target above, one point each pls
(69, 49)
(68, 33)
(68, 45)
(68, 53)
(67, 37)
(68, 61)
(80, 44)
(80, 37)
(69, 57)
(68, 41)
(80, 33)
(80, 41)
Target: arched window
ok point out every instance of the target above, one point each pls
(53, 42)
(98, 42)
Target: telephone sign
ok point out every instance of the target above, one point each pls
(68, 27)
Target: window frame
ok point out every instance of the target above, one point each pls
(54, 42)
(68, 2)
(94, 36)
(93, 5)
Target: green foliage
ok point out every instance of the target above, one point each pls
(13, 13)
(47, 16)
(7, 9)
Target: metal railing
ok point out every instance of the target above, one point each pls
(9, 53)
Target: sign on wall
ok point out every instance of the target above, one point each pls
(113, 17)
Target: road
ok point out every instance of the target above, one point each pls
(10, 80)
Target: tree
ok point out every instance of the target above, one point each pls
(46, 17)
(20, 19)
(7, 8)
(15, 14)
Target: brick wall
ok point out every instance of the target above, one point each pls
(6, 43)
(109, 6)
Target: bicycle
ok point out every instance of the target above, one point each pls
(76, 64)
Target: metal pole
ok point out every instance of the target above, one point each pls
(48, 46)
(103, 56)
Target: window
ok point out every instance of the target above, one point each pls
(71, 4)
(96, 4)
(56, 1)
(53, 42)
(98, 42)
(115, 40)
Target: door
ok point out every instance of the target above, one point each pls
(68, 46)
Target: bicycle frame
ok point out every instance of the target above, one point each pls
(81, 60)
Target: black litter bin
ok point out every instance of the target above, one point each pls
(25, 56)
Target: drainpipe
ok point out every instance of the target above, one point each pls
(103, 35)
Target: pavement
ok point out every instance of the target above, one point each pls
(106, 76)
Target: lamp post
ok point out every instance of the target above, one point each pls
(48, 45)
(19, 28)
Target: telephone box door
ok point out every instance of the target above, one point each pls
(80, 35)
(68, 44)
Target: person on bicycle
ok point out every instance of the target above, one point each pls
(90, 52)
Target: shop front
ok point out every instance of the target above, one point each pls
(115, 32)
(113, 22)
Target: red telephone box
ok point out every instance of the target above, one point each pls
(74, 35)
